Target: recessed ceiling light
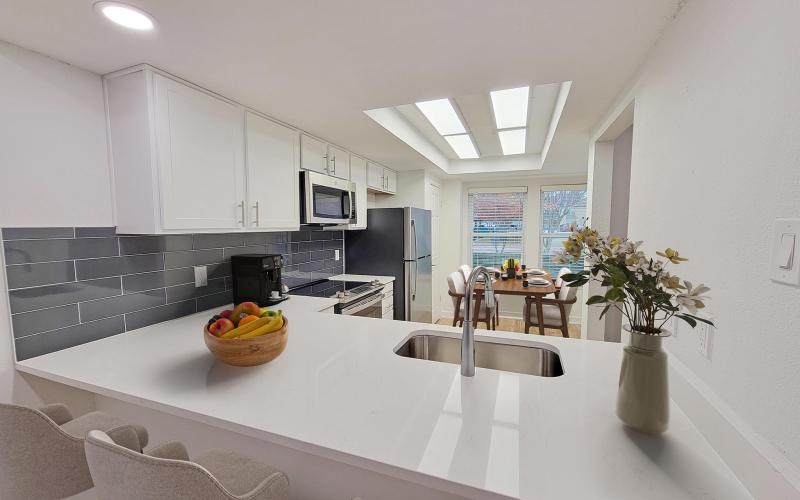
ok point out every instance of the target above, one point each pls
(462, 145)
(510, 107)
(126, 15)
(442, 115)
(512, 141)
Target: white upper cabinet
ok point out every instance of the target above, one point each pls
(200, 143)
(314, 155)
(186, 160)
(381, 179)
(391, 180)
(273, 165)
(358, 175)
(375, 176)
(338, 163)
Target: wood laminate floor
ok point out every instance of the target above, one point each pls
(517, 325)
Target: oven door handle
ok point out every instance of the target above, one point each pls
(360, 306)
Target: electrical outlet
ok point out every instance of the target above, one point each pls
(200, 276)
(705, 337)
(336, 254)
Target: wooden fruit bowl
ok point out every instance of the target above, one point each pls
(248, 352)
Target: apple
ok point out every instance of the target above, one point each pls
(245, 309)
(221, 327)
(226, 313)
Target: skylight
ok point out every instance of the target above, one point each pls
(510, 107)
(512, 141)
(442, 115)
(463, 146)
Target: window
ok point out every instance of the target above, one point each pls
(497, 222)
(562, 206)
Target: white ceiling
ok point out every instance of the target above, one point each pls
(317, 64)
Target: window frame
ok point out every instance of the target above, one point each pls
(556, 235)
(469, 219)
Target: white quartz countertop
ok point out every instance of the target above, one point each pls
(362, 277)
(340, 392)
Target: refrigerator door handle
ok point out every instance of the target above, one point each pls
(416, 273)
(414, 235)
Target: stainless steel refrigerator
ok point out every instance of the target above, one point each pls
(397, 242)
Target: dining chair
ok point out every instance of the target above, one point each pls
(559, 282)
(555, 312)
(42, 454)
(465, 271)
(456, 289)
(166, 472)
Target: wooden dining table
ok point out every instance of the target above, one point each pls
(513, 286)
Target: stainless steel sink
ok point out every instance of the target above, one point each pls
(431, 345)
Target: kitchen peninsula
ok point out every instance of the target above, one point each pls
(418, 429)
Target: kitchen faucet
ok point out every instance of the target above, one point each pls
(468, 335)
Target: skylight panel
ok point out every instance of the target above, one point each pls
(442, 115)
(512, 141)
(510, 107)
(463, 146)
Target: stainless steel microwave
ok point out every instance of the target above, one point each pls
(326, 199)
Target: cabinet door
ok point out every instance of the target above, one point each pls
(273, 163)
(314, 154)
(338, 163)
(375, 178)
(358, 175)
(200, 143)
(391, 181)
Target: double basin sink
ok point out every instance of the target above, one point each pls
(431, 345)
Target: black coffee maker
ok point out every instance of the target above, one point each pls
(257, 278)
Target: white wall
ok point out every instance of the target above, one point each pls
(715, 159)
(53, 157)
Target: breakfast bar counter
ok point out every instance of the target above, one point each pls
(340, 392)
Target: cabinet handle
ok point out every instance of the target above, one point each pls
(241, 206)
(334, 165)
(257, 217)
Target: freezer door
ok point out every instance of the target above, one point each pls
(419, 290)
(417, 233)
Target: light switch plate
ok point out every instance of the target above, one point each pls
(784, 265)
(200, 276)
(336, 254)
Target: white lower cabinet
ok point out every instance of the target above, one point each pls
(273, 165)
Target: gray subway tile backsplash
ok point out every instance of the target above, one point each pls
(148, 317)
(42, 321)
(46, 273)
(56, 340)
(121, 304)
(132, 245)
(95, 232)
(69, 286)
(37, 233)
(175, 260)
(31, 251)
(41, 297)
(114, 266)
(189, 291)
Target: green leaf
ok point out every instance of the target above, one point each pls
(615, 294)
(605, 310)
(703, 320)
(687, 318)
(570, 277)
(596, 299)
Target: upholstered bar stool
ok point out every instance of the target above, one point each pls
(166, 472)
(42, 451)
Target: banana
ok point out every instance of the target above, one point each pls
(274, 325)
(249, 327)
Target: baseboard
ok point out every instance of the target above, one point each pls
(761, 468)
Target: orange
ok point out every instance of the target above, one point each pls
(247, 319)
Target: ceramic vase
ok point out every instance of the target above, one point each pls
(643, 397)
